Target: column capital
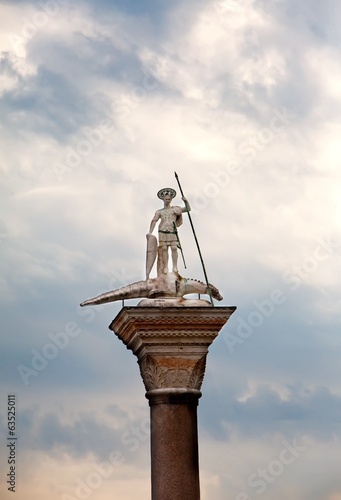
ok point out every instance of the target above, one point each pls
(171, 345)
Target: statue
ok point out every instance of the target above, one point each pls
(168, 288)
(164, 287)
(170, 219)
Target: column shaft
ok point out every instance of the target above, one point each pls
(174, 450)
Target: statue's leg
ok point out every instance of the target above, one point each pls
(159, 261)
(174, 257)
(165, 258)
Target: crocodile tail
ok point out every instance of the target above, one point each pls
(133, 291)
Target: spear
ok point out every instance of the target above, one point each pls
(197, 243)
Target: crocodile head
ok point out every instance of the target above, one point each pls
(215, 292)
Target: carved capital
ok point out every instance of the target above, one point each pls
(171, 344)
(165, 372)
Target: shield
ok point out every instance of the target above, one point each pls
(151, 253)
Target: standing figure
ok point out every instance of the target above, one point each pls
(170, 218)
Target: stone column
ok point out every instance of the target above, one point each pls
(171, 344)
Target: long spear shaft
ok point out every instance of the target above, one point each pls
(197, 243)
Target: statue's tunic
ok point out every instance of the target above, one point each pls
(168, 216)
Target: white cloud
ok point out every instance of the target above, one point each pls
(198, 91)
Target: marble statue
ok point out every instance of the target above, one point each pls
(169, 287)
(170, 219)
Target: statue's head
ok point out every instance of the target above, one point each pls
(166, 192)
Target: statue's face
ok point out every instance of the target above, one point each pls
(167, 199)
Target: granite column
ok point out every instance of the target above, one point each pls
(171, 344)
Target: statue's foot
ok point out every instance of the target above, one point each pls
(175, 270)
(165, 271)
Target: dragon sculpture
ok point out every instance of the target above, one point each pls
(170, 286)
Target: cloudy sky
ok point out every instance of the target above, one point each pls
(100, 102)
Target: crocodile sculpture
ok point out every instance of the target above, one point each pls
(165, 286)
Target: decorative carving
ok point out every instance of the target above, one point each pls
(153, 376)
(162, 372)
(174, 320)
(197, 376)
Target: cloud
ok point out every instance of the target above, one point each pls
(267, 412)
(100, 104)
(37, 105)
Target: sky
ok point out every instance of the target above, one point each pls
(100, 103)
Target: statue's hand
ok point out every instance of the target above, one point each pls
(184, 199)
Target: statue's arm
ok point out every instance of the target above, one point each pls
(153, 222)
(187, 207)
